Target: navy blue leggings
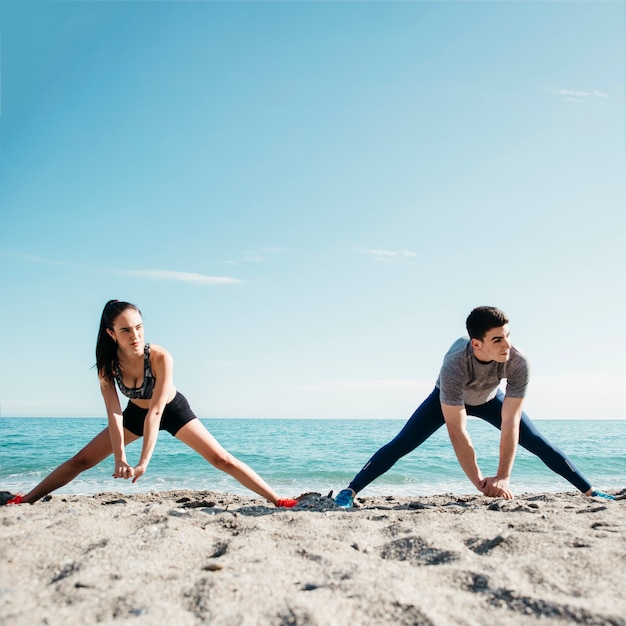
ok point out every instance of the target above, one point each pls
(429, 417)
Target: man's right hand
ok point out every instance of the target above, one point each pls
(495, 487)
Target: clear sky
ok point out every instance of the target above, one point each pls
(306, 199)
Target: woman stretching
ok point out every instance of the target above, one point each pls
(144, 374)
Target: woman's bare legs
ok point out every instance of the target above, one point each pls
(198, 438)
(98, 449)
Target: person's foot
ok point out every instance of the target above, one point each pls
(6, 497)
(345, 498)
(286, 503)
(596, 493)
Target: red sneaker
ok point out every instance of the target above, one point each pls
(6, 497)
(286, 503)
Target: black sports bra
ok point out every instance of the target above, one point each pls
(147, 386)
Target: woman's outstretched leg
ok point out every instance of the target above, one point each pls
(93, 453)
(198, 438)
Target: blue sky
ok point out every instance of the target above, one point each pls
(307, 199)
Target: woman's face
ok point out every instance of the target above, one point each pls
(128, 332)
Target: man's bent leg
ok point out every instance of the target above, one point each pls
(423, 423)
(531, 439)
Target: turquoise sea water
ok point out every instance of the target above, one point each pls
(295, 456)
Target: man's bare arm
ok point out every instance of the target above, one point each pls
(456, 422)
(509, 438)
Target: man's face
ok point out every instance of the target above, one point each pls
(495, 345)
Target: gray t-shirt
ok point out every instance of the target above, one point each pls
(463, 379)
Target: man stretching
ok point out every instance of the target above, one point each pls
(468, 383)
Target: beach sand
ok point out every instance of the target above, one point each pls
(186, 557)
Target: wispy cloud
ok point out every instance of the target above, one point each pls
(185, 277)
(389, 256)
(31, 258)
(258, 255)
(578, 95)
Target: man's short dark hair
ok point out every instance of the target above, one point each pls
(482, 319)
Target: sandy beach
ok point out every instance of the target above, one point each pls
(182, 557)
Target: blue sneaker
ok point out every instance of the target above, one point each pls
(594, 494)
(345, 498)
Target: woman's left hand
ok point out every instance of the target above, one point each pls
(139, 471)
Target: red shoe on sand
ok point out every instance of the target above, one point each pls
(6, 497)
(286, 503)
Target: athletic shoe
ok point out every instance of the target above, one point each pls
(600, 494)
(345, 499)
(6, 497)
(286, 503)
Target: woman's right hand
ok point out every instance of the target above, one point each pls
(123, 470)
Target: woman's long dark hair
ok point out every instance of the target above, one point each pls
(106, 348)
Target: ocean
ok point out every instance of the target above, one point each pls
(300, 455)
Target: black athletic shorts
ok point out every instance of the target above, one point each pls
(175, 415)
